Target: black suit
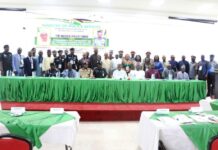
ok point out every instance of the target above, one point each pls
(28, 67)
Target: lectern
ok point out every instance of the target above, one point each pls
(216, 84)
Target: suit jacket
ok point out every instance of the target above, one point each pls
(17, 62)
(27, 66)
(38, 67)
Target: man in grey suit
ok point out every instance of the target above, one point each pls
(17, 63)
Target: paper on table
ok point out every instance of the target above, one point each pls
(200, 118)
(168, 121)
(183, 119)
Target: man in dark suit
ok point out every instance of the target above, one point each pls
(29, 64)
(6, 58)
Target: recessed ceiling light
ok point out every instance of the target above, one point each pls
(157, 3)
(104, 1)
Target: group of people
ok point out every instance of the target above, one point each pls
(131, 66)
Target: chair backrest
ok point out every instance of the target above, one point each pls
(12, 142)
(213, 143)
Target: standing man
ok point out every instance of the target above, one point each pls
(47, 61)
(121, 54)
(132, 56)
(6, 60)
(54, 53)
(203, 67)
(174, 64)
(59, 61)
(106, 63)
(211, 76)
(65, 53)
(29, 64)
(17, 63)
(193, 66)
(83, 60)
(1, 68)
(94, 59)
(184, 62)
(39, 60)
(33, 52)
(72, 59)
(164, 61)
(111, 55)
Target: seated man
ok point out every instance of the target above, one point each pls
(119, 73)
(85, 72)
(152, 72)
(70, 72)
(182, 75)
(99, 72)
(168, 72)
(138, 73)
(52, 72)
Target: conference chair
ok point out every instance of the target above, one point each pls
(12, 142)
(213, 143)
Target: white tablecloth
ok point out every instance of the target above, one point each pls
(151, 131)
(59, 134)
(205, 104)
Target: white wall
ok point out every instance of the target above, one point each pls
(128, 32)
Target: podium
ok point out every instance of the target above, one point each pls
(216, 84)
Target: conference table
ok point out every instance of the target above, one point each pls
(177, 130)
(42, 128)
(42, 89)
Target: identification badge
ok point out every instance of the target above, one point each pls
(59, 66)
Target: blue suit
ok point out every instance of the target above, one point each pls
(28, 66)
(18, 64)
(38, 66)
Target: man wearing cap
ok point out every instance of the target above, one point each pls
(132, 55)
(6, 59)
(85, 72)
(94, 59)
(111, 55)
(83, 60)
(174, 64)
(193, 67)
(99, 72)
(54, 53)
(59, 61)
(182, 75)
(164, 61)
(17, 63)
(72, 59)
(47, 61)
(52, 72)
(184, 62)
(211, 76)
(147, 61)
(120, 52)
(106, 63)
(100, 41)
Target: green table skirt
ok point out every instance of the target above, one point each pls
(21, 89)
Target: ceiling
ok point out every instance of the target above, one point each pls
(202, 8)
